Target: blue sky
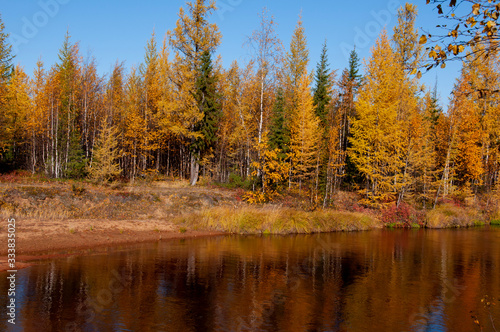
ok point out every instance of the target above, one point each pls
(119, 30)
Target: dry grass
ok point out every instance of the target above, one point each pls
(173, 184)
(86, 201)
(448, 215)
(273, 220)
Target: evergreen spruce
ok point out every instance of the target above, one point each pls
(354, 65)
(322, 89)
(352, 174)
(279, 133)
(6, 57)
(209, 103)
(6, 69)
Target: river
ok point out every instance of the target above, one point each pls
(382, 280)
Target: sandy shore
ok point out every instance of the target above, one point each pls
(43, 239)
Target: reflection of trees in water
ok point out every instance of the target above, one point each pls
(372, 280)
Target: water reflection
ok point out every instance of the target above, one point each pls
(371, 281)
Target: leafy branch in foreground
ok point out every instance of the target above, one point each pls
(472, 32)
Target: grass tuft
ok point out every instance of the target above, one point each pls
(447, 215)
(269, 220)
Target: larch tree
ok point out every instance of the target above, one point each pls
(134, 151)
(15, 111)
(375, 141)
(237, 128)
(296, 61)
(91, 104)
(71, 158)
(408, 53)
(37, 117)
(151, 96)
(105, 167)
(305, 137)
(114, 100)
(226, 152)
(425, 168)
(406, 38)
(484, 79)
(469, 166)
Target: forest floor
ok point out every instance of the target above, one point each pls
(55, 218)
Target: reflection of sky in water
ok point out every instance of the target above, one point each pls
(432, 320)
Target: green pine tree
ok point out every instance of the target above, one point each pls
(208, 101)
(6, 69)
(279, 133)
(6, 56)
(352, 174)
(435, 110)
(322, 89)
(77, 163)
(321, 101)
(354, 65)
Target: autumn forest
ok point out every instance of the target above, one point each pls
(268, 125)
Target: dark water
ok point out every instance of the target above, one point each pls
(371, 281)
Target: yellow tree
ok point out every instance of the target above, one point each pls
(133, 124)
(104, 166)
(91, 104)
(422, 130)
(164, 120)
(406, 39)
(305, 136)
(484, 85)
(37, 118)
(446, 151)
(115, 108)
(470, 134)
(15, 111)
(296, 61)
(376, 140)
(408, 53)
(70, 155)
(234, 135)
(150, 72)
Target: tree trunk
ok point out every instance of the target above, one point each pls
(195, 169)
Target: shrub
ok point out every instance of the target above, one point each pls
(403, 215)
(236, 181)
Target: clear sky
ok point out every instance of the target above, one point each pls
(119, 30)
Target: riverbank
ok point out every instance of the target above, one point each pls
(60, 216)
(43, 239)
